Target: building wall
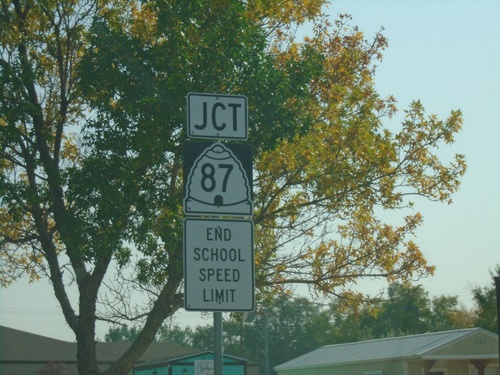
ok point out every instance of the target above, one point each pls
(309, 371)
(479, 344)
(491, 369)
(455, 367)
(229, 369)
(187, 365)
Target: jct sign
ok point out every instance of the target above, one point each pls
(218, 265)
(217, 116)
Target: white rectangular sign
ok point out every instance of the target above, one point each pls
(219, 271)
(217, 116)
(204, 367)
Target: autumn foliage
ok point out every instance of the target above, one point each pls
(92, 113)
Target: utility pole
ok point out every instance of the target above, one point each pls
(497, 287)
(266, 345)
(218, 346)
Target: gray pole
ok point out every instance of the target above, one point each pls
(497, 287)
(218, 356)
(266, 346)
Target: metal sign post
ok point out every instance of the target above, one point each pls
(497, 290)
(218, 345)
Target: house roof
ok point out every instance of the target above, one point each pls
(20, 346)
(417, 346)
(111, 351)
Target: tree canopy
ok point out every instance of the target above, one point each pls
(92, 107)
(486, 301)
(290, 326)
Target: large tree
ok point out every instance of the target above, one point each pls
(92, 106)
(485, 299)
(406, 310)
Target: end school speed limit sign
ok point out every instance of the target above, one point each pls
(217, 179)
(219, 267)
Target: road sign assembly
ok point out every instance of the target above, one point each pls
(219, 268)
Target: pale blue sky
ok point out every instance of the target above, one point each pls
(445, 53)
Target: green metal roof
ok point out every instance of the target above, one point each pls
(406, 347)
